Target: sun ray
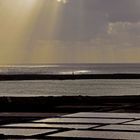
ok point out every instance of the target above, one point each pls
(16, 17)
(52, 16)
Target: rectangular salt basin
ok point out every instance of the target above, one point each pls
(137, 122)
(43, 125)
(120, 127)
(82, 120)
(103, 115)
(24, 132)
(98, 134)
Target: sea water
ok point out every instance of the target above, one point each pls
(93, 87)
(70, 69)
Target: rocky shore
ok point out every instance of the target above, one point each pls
(4, 77)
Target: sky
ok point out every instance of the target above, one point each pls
(69, 31)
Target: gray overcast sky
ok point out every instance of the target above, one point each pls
(69, 31)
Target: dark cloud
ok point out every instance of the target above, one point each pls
(73, 23)
(83, 19)
(118, 10)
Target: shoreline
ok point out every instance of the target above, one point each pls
(5, 77)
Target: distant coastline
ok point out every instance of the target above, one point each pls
(6, 77)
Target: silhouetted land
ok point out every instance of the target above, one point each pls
(67, 76)
(70, 104)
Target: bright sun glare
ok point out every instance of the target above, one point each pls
(63, 1)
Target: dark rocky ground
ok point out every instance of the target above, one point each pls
(68, 104)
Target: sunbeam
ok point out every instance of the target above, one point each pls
(16, 16)
(51, 22)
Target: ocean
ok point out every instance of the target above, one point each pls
(70, 68)
(93, 87)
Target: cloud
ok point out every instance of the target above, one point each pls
(119, 35)
(82, 20)
(87, 31)
(71, 22)
(117, 10)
